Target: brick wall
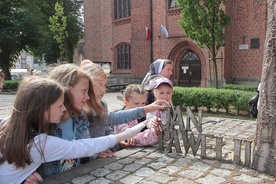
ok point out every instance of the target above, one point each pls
(102, 35)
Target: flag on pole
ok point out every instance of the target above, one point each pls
(148, 32)
(164, 31)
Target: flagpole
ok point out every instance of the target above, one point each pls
(152, 32)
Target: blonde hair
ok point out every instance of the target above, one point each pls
(69, 75)
(95, 70)
(167, 61)
(130, 89)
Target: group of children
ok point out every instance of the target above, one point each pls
(61, 121)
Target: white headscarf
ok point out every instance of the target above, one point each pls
(155, 68)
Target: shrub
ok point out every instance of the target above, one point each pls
(211, 97)
(11, 84)
(251, 88)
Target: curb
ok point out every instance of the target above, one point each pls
(81, 170)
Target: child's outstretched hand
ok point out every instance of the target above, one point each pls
(156, 105)
(156, 123)
(127, 143)
(33, 178)
(106, 154)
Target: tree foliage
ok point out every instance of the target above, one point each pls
(20, 22)
(204, 21)
(25, 25)
(58, 23)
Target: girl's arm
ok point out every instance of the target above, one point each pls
(125, 116)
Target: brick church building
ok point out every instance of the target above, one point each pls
(115, 33)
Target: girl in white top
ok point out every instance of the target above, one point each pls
(24, 140)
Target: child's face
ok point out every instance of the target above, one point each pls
(1, 83)
(99, 85)
(136, 100)
(79, 92)
(167, 70)
(163, 92)
(56, 111)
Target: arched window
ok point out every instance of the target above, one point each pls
(123, 57)
(122, 9)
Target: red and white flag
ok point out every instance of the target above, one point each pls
(148, 33)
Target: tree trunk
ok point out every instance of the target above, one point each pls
(264, 159)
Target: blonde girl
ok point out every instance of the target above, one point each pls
(136, 96)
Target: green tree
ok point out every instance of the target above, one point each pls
(25, 25)
(20, 22)
(204, 21)
(49, 48)
(58, 24)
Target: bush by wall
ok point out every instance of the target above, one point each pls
(212, 98)
(11, 84)
(252, 88)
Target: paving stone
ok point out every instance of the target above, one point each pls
(191, 174)
(139, 155)
(183, 181)
(116, 175)
(143, 161)
(183, 162)
(100, 172)
(169, 170)
(132, 167)
(101, 181)
(126, 160)
(221, 172)
(160, 178)
(247, 178)
(130, 179)
(211, 179)
(147, 182)
(114, 166)
(151, 149)
(144, 172)
(155, 155)
(83, 179)
(165, 159)
(200, 166)
(157, 165)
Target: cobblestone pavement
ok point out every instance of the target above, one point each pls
(150, 166)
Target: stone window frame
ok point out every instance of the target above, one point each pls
(172, 4)
(122, 9)
(123, 59)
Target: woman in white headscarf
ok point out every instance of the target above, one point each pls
(159, 68)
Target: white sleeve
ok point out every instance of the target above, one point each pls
(59, 149)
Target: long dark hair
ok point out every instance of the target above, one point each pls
(35, 95)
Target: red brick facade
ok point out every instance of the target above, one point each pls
(103, 34)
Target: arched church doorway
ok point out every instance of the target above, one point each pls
(190, 70)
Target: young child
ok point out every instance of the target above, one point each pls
(24, 143)
(163, 90)
(159, 68)
(2, 77)
(136, 96)
(103, 125)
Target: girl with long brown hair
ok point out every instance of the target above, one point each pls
(24, 140)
